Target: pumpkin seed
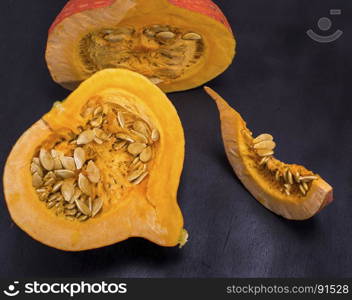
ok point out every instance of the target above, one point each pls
(100, 134)
(305, 186)
(308, 178)
(297, 177)
(57, 163)
(119, 145)
(98, 111)
(265, 145)
(155, 80)
(140, 137)
(263, 137)
(50, 181)
(192, 36)
(136, 148)
(93, 172)
(135, 161)
(114, 37)
(98, 141)
(83, 208)
(289, 177)
(84, 184)
(56, 153)
(121, 119)
(67, 190)
(90, 203)
(146, 155)
(43, 196)
(57, 186)
(85, 137)
(36, 169)
(53, 197)
(155, 135)
(141, 127)
(287, 192)
(83, 218)
(79, 156)
(49, 175)
(46, 159)
(263, 153)
(97, 121)
(264, 160)
(165, 35)
(287, 186)
(134, 175)
(125, 137)
(70, 206)
(68, 163)
(277, 175)
(36, 161)
(50, 204)
(141, 178)
(97, 206)
(149, 33)
(302, 189)
(70, 212)
(76, 194)
(64, 174)
(159, 28)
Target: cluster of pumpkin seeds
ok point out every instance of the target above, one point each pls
(68, 182)
(264, 146)
(65, 183)
(160, 52)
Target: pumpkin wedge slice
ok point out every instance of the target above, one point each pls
(177, 44)
(288, 190)
(102, 166)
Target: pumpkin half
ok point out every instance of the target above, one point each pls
(177, 44)
(102, 166)
(288, 190)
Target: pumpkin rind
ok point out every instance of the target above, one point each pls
(148, 210)
(79, 17)
(236, 143)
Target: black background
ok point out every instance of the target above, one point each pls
(281, 81)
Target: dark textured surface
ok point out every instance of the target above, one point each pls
(281, 81)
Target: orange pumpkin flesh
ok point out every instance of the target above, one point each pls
(148, 209)
(268, 179)
(90, 35)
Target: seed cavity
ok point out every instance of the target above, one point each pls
(67, 178)
(142, 50)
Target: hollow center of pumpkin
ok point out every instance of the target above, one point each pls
(77, 174)
(159, 52)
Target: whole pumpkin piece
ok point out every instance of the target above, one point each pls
(73, 183)
(288, 190)
(177, 44)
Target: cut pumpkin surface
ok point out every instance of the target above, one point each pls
(288, 190)
(177, 44)
(97, 169)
